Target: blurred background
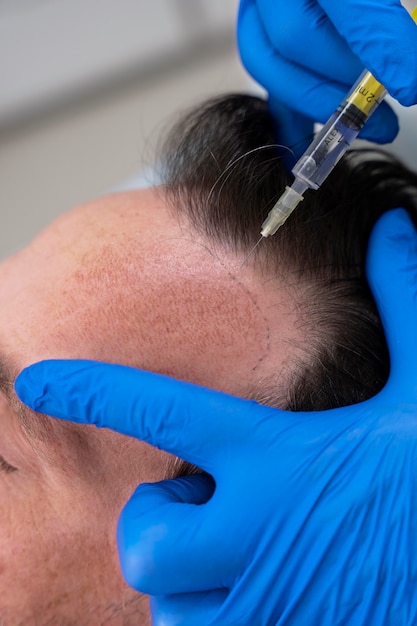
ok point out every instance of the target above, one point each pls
(88, 87)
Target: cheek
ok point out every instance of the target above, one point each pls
(29, 542)
(55, 555)
(58, 555)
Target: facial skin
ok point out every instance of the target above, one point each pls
(119, 280)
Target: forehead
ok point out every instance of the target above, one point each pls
(120, 279)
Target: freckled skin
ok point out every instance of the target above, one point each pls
(120, 280)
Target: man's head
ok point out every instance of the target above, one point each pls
(154, 279)
(121, 280)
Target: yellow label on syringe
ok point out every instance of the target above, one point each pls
(367, 94)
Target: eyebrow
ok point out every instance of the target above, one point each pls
(35, 425)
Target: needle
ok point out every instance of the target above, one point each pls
(252, 250)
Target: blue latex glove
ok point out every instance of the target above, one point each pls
(313, 516)
(309, 53)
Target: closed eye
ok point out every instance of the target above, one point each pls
(6, 467)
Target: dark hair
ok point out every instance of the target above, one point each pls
(224, 170)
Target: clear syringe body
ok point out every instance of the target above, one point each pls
(327, 148)
(337, 134)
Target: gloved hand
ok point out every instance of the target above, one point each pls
(309, 53)
(311, 518)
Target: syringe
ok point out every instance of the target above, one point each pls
(329, 146)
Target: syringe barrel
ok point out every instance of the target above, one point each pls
(342, 128)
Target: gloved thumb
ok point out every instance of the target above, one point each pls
(152, 532)
(392, 275)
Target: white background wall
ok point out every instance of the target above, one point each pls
(88, 86)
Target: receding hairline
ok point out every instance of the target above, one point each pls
(219, 171)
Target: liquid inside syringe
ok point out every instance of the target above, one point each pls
(328, 147)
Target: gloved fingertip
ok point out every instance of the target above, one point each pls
(382, 127)
(378, 135)
(44, 387)
(407, 96)
(31, 387)
(391, 239)
(395, 229)
(391, 270)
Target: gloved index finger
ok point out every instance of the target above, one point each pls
(178, 417)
